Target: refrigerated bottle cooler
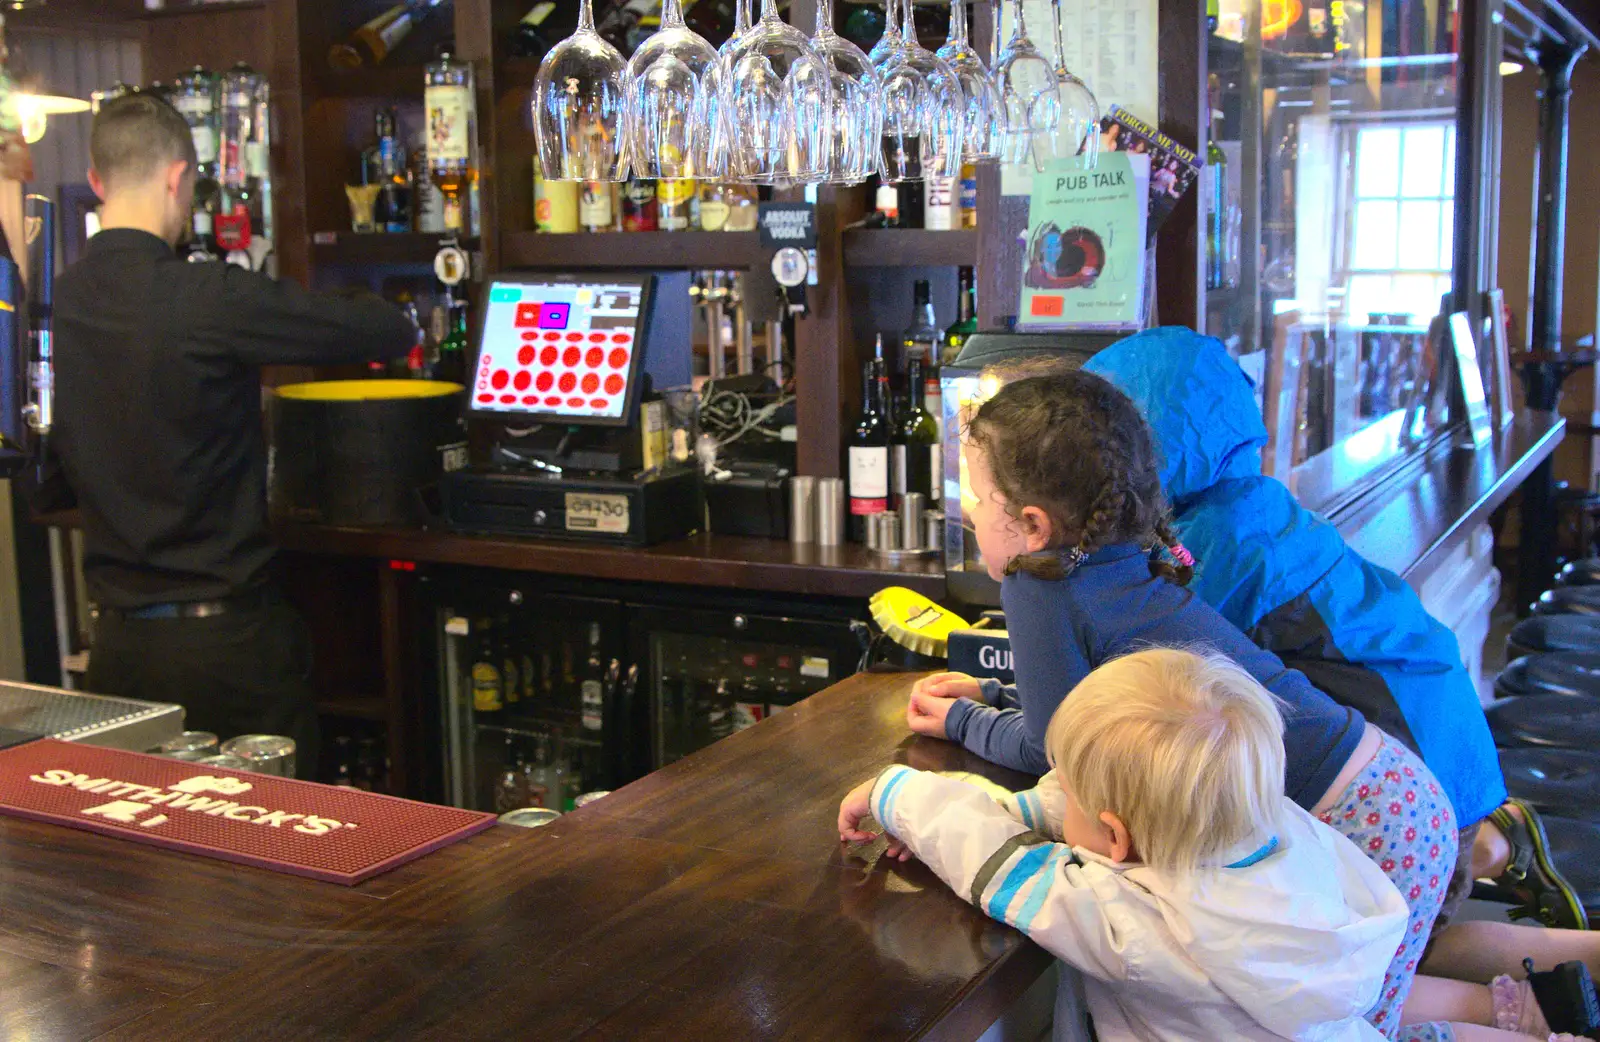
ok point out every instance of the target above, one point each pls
(545, 692)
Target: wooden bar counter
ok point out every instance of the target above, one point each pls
(710, 900)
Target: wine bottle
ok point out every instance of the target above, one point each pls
(915, 448)
(869, 449)
(966, 323)
(371, 44)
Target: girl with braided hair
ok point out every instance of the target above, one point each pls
(1064, 494)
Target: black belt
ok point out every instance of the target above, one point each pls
(194, 609)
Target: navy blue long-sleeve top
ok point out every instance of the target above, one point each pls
(1108, 606)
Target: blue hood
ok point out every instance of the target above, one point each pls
(1201, 406)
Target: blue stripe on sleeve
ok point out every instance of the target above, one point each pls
(1035, 901)
(1027, 812)
(884, 811)
(1026, 868)
(1038, 807)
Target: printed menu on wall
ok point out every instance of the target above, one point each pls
(1084, 265)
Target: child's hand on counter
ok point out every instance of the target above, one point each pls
(925, 712)
(948, 685)
(858, 805)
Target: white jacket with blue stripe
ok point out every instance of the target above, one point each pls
(1294, 945)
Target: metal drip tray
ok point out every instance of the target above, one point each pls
(28, 711)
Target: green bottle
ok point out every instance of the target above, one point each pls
(452, 367)
(966, 323)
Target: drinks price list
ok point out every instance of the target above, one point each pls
(557, 348)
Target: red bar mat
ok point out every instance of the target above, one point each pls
(303, 828)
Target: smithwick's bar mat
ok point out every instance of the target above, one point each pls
(335, 834)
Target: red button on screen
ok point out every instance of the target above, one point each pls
(552, 335)
(545, 381)
(591, 383)
(619, 357)
(597, 338)
(508, 399)
(568, 382)
(594, 357)
(485, 397)
(531, 335)
(598, 403)
(552, 400)
(500, 379)
(531, 399)
(615, 384)
(526, 356)
(576, 403)
(574, 337)
(621, 338)
(571, 357)
(548, 356)
(522, 380)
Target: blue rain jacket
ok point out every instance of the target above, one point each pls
(1284, 575)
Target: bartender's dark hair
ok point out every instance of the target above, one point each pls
(135, 136)
(1072, 444)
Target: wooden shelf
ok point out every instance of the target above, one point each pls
(910, 248)
(697, 250)
(517, 72)
(383, 81)
(355, 707)
(196, 8)
(379, 247)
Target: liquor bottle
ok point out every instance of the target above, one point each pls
(414, 364)
(675, 199)
(966, 323)
(595, 211)
(452, 367)
(427, 202)
(869, 449)
(967, 195)
(923, 338)
(940, 205)
(531, 40)
(720, 710)
(639, 205)
(449, 99)
(592, 690)
(510, 671)
(917, 450)
(383, 163)
(488, 696)
(1216, 201)
(886, 205)
(555, 204)
(713, 207)
(536, 776)
(241, 155)
(194, 95)
(371, 43)
(202, 245)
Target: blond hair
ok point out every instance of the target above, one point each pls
(1185, 748)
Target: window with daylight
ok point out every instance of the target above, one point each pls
(1398, 253)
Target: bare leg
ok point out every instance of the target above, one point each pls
(1434, 998)
(1479, 951)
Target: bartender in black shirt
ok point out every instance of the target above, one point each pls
(158, 433)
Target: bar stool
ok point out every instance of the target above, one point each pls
(1546, 722)
(1569, 600)
(1554, 633)
(1562, 782)
(1552, 673)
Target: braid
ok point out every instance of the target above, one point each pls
(1181, 572)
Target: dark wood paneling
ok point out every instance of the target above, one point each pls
(705, 560)
(215, 37)
(697, 250)
(828, 357)
(910, 248)
(1180, 246)
(283, 23)
(709, 900)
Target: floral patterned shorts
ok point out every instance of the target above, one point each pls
(1431, 1032)
(1399, 816)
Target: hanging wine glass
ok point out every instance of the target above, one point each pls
(1030, 102)
(978, 138)
(1080, 109)
(779, 104)
(669, 111)
(579, 107)
(923, 98)
(856, 117)
(717, 121)
(889, 42)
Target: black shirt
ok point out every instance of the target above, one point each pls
(158, 409)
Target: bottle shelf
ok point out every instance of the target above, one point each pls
(910, 247)
(382, 81)
(345, 247)
(355, 707)
(694, 250)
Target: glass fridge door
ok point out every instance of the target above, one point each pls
(531, 702)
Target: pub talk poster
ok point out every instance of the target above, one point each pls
(1084, 259)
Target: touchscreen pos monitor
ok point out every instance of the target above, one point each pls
(562, 349)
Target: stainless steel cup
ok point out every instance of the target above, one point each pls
(911, 521)
(830, 511)
(802, 509)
